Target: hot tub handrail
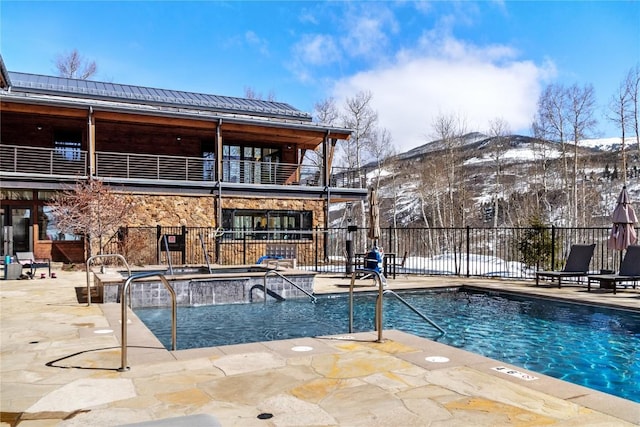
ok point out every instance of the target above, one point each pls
(313, 298)
(163, 239)
(88, 262)
(415, 310)
(123, 308)
(204, 250)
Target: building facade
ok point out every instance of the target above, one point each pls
(184, 158)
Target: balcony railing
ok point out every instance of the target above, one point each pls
(43, 161)
(153, 167)
(72, 162)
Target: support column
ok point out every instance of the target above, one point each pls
(91, 143)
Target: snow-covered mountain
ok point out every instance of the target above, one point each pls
(516, 170)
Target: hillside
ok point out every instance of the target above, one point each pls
(526, 176)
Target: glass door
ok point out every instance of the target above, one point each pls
(20, 221)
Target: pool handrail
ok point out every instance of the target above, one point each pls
(378, 319)
(163, 238)
(381, 293)
(415, 310)
(269, 291)
(87, 265)
(123, 316)
(264, 286)
(204, 251)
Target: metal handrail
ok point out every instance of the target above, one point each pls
(91, 258)
(381, 293)
(264, 286)
(415, 310)
(204, 250)
(123, 308)
(378, 299)
(163, 238)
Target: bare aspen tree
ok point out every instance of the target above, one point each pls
(359, 116)
(582, 122)
(449, 130)
(380, 148)
(633, 85)
(90, 209)
(620, 113)
(73, 65)
(251, 93)
(325, 112)
(550, 121)
(542, 153)
(499, 131)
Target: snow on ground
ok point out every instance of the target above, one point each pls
(452, 264)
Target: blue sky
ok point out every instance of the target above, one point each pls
(478, 60)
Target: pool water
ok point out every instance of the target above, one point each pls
(592, 346)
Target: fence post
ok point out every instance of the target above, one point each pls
(184, 245)
(244, 245)
(390, 247)
(553, 247)
(468, 246)
(158, 244)
(316, 236)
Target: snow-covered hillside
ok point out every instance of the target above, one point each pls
(413, 186)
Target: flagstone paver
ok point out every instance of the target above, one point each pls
(59, 361)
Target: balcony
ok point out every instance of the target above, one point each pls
(51, 163)
(21, 160)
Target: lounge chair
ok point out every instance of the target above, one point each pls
(27, 259)
(577, 264)
(629, 271)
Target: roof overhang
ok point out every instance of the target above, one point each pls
(306, 135)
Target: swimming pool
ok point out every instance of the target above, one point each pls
(592, 346)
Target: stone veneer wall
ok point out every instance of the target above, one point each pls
(150, 210)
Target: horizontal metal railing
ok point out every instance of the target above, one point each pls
(153, 167)
(71, 162)
(43, 161)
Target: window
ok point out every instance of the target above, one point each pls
(268, 225)
(250, 165)
(67, 145)
(47, 228)
(208, 160)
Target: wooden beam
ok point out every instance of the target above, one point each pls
(45, 110)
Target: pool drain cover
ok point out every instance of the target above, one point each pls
(265, 416)
(302, 348)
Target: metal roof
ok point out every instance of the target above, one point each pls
(34, 83)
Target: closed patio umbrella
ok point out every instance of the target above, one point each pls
(624, 217)
(374, 217)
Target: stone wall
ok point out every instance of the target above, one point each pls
(171, 210)
(199, 211)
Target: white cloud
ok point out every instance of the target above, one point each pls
(317, 49)
(448, 76)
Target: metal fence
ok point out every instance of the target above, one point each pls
(466, 251)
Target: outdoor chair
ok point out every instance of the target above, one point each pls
(577, 264)
(400, 267)
(629, 271)
(27, 259)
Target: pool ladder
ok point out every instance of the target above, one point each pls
(123, 308)
(381, 293)
(274, 294)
